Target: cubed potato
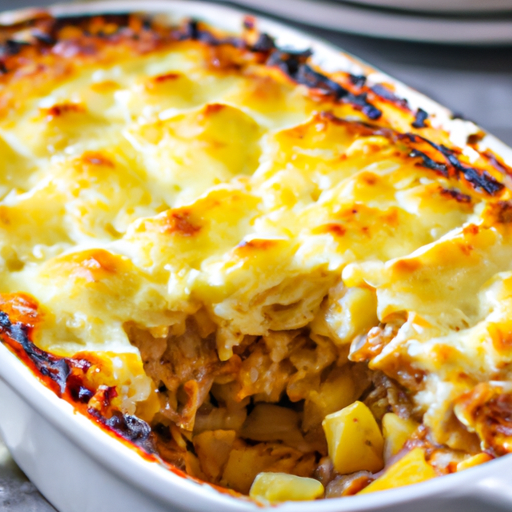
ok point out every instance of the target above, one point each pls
(269, 422)
(354, 439)
(473, 461)
(213, 448)
(354, 313)
(411, 469)
(347, 313)
(277, 487)
(338, 391)
(396, 432)
(246, 462)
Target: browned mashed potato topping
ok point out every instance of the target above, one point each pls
(255, 269)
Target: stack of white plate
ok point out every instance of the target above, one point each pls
(452, 6)
(482, 22)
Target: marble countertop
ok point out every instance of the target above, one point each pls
(475, 82)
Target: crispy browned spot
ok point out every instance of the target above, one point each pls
(504, 212)
(464, 247)
(407, 266)
(501, 340)
(61, 109)
(475, 138)
(97, 158)
(213, 108)
(369, 179)
(92, 265)
(20, 308)
(471, 230)
(179, 222)
(168, 77)
(257, 244)
(332, 228)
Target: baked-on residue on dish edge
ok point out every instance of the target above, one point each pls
(228, 257)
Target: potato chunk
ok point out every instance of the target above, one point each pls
(276, 487)
(411, 469)
(269, 422)
(213, 448)
(354, 439)
(473, 461)
(396, 432)
(246, 462)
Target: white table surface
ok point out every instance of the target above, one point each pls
(475, 82)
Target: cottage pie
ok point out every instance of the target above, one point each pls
(281, 281)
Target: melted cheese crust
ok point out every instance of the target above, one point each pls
(147, 180)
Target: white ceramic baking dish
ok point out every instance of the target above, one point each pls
(81, 468)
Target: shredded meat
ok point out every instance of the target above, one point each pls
(387, 396)
(371, 344)
(183, 368)
(348, 485)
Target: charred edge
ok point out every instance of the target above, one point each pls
(147, 24)
(455, 194)
(429, 162)
(421, 117)
(57, 369)
(191, 31)
(10, 48)
(3, 68)
(480, 180)
(264, 44)
(288, 62)
(122, 20)
(294, 65)
(49, 36)
(475, 138)
(364, 128)
(360, 102)
(311, 78)
(249, 23)
(357, 80)
(44, 37)
(78, 392)
(5, 323)
(386, 94)
(128, 427)
(291, 63)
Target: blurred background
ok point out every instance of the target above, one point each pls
(458, 52)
